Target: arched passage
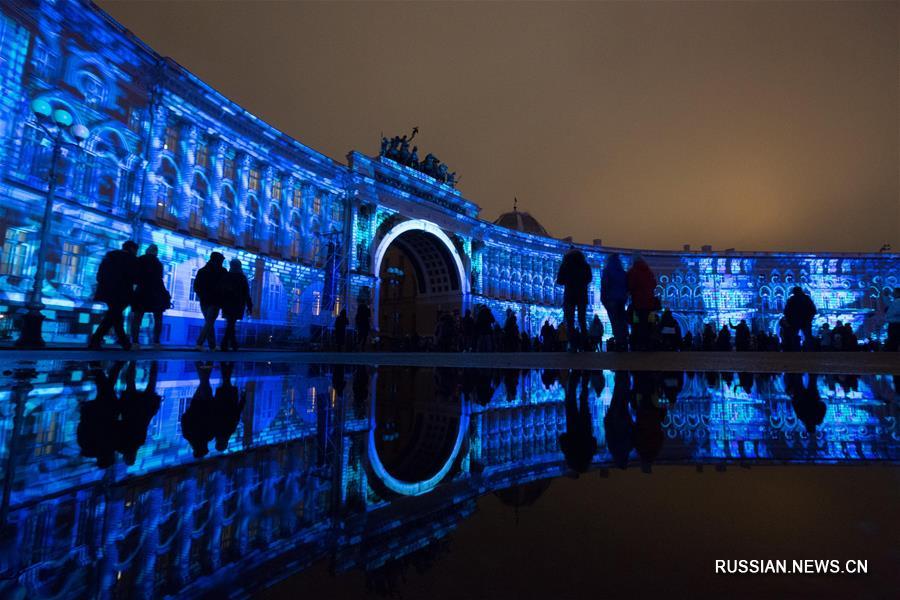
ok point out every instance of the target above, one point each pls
(420, 274)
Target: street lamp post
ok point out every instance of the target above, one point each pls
(54, 123)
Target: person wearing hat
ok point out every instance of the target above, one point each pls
(208, 286)
(115, 287)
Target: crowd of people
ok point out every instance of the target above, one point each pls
(636, 315)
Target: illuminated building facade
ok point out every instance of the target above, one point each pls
(168, 160)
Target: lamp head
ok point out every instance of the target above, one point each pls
(80, 132)
(41, 108)
(63, 118)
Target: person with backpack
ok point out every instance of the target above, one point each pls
(115, 287)
(208, 286)
(236, 301)
(150, 295)
(799, 311)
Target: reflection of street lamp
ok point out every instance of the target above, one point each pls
(57, 124)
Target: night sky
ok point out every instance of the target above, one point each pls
(759, 126)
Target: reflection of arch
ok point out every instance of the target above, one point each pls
(434, 235)
(412, 488)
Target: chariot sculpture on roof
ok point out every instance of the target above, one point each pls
(398, 150)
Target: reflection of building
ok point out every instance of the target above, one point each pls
(297, 482)
(171, 161)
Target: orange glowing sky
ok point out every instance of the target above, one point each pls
(748, 125)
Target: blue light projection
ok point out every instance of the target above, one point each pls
(168, 160)
(313, 452)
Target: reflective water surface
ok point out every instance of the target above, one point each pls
(145, 479)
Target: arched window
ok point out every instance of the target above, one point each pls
(110, 155)
(226, 214)
(165, 192)
(199, 193)
(294, 232)
(274, 227)
(251, 229)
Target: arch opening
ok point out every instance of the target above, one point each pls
(420, 275)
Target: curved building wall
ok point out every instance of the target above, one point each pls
(171, 161)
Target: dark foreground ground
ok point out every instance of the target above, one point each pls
(761, 362)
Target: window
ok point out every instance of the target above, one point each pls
(317, 205)
(252, 218)
(296, 246)
(193, 296)
(316, 303)
(69, 264)
(15, 252)
(165, 193)
(226, 218)
(276, 190)
(171, 143)
(297, 198)
(337, 211)
(201, 156)
(274, 225)
(253, 180)
(228, 168)
(198, 199)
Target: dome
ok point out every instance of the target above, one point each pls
(521, 221)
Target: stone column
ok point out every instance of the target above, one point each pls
(188, 146)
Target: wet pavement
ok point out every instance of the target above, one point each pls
(153, 478)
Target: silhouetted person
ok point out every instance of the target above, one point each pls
(709, 338)
(641, 286)
(825, 337)
(548, 337)
(614, 296)
(741, 336)
(484, 329)
(197, 421)
(445, 334)
(806, 401)
(575, 275)
(115, 287)
(98, 427)
(484, 386)
(723, 341)
(340, 329)
(137, 409)
(468, 331)
(799, 311)
(617, 423)
(360, 390)
(892, 316)
(687, 342)
(150, 295)
(578, 443)
(510, 332)
(236, 301)
(669, 331)
(363, 323)
(595, 334)
(208, 286)
(525, 342)
(228, 408)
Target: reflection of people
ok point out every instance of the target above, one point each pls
(578, 443)
(138, 409)
(197, 421)
(618, 424)
(649, 434)
(228, 408)
(806, 401)
(98, 427)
